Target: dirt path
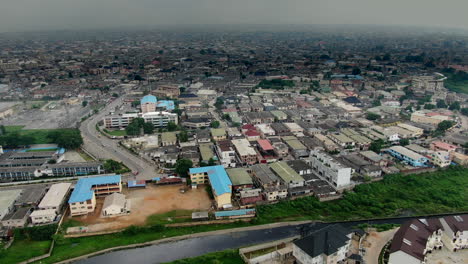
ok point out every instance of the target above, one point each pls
(374, 243)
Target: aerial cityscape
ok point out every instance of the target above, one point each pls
(235, 142)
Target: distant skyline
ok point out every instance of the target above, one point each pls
(33, 15)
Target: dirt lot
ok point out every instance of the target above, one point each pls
(445, 256)
(146, 202)
(374, 243)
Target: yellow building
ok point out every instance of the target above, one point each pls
(220, 183)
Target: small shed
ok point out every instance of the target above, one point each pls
(116, 204)
(136, 184)
(199, 216)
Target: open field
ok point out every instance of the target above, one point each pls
(24, 249)
(150, 203)
(117, 133)
(36, 115)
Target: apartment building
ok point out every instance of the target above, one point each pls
(245, 152)
(272, 187)
(408, 156)
(326, 167)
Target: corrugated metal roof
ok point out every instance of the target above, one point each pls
(149, 99)
(234, 212)
(83, 192)
(218, 178)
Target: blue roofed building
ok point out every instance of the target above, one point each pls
(242, 213)
(83, 198)
(408, 156)
(150, 103)
(220, 183)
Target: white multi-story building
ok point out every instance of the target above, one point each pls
(455, 232)
(55, 197)
(226, 154)
(158, 119)
(43, 216)
(329, 169)
(440, 158)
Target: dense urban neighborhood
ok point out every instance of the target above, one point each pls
(114, 140)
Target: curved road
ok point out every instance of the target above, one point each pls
(104, 148)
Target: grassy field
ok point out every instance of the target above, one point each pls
(172, 217)
(456, 82)
(226, 257)
(39, 135)
(23, 250)
(117, 133)
(428, 193)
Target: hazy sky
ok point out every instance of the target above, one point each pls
(27, 15)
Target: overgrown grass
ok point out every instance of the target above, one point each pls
(22, 250)
(176, 216)
(230, 256)
(40, 136)
(85, 156)
(117, 133)
(427, 193)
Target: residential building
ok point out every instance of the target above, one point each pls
(270, 183)
(328, 245)
(218, 134)
(244, 150)
(440, 158)
(168, 139)
(289, 177)
(429, 117)
(326, 167)
(442, 146)
(226, 153)
(219, 180)
(83, 197)
(18, 217)
(43, 216)
(408, 156)
(455, 232)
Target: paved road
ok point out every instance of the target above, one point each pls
(104, 148)
(192, 247)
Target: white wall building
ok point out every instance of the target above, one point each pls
(55, 197)
(116, 204)
(329, 169)
(43, 216)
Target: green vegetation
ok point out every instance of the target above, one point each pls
(377, 145)
(137, 125)
(215, 124)
(454, 106)
(116, 133)
(219, 103)
(404, 141)
(456, 81)
(230, 256)
(22, 250)
(464, 111)
(112, 166)
(182, 167)
(441, 104)
(372, 116)
(380, 228)
(427, 193)
(176, 216)
(277, 84)
(17, 136)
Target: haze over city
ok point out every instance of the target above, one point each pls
(31, 15)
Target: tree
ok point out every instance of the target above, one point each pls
(182, 89)
(148, 128)
(113, 166)
(211, 162)
(84, 103)
(429, 106)
(215, 124)
(183, 136)
(441, 104)
(52, 161)
(133, 129)
(68, 139)
(464, 111)
(356, 71)
(444, 125)
(219, 103)
(171, 126)
(372, 116)
(404, 142)
(182, 167)
(227, 117)
(377, 145)
(115, 95)
(454, 106)
(376, 103)
(135, 103)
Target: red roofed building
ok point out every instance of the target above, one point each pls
(442, 146)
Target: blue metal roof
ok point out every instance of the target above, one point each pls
(149, 99)
(134, 183)
(219, 179)
(168, 104)
(83, 192)
(234, 212)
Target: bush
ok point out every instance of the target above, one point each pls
(37, 233)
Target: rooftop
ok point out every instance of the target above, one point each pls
(286, 173)
(83, 191)
(239, 176)
(218, 178)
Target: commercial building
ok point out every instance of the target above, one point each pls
(219, 180)
(83, 197)
(240, 179)
(442, 146)
(429, 117)
(116, 204)
(55, 197)
(158, 119)
(326, 167)
(328, 245)
(71, 169)
(18, 217)
(410, 157)
(245, 152)
(150, 103)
